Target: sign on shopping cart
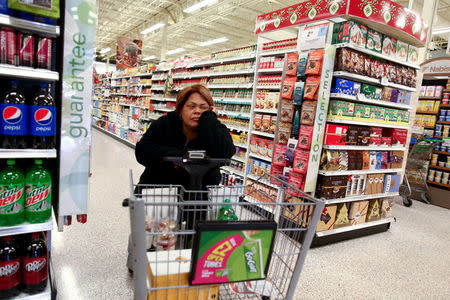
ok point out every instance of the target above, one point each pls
(225, 252)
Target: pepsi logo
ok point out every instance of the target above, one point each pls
(43, 116)
(12, 115)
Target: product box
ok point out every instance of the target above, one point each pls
(341, 109)
(327, 218)
(329, 160)
(375, 140)
(290, 150)
(287, 110)
(301, 160)
(392, 183)
(284, 132)
(262, 147)
(364, 136)
(279, 155)
(374, 40)
(404, 97)
(344, 86)
(395, 159)
(374, 210)
(402, 51)
(413, 54)
(386, 141)
(362, 112)
(265, 127)
(399, 136)
(257, 122)
(430, 90)
(354, 33)
(438, 91)
(391, 115)
(386, 208)
(352, 135)
(342, 219)
(389, 46)
(358, 212)
(308, 112)
(423, 89)
(403, 117)
(295, 180)
(378, 114)
(305, 137)
(254, 144)
(335, 134)
(436, 106)
(270, 148)
(332, 187)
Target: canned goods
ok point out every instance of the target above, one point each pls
(8, 49)
(26, 50)
(434, 158)
(44, 53)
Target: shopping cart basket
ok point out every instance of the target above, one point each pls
(415, 180)
(157, 215)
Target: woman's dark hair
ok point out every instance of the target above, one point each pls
(185, 93)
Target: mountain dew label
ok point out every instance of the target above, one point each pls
(38, 203)
(11, 200)
(35, 195)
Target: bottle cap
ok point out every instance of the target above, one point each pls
(7, 238)
(10, 162)
(35, 235)
(38, 161)
(227, 200)
(43, 86)
(14, 83)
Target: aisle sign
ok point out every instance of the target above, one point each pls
(79, 34)
(437, 66)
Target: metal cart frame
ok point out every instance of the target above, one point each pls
(295, 212)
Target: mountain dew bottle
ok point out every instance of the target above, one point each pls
(12, 198)
(38, 207)
(226, 212)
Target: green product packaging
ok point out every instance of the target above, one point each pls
(362, 112)
(12, 195)
(38, 194)
(49, 8)
(391, 115)
(377, 114)
(413, 54)
(369, 91)
(374, 40)
(302, 62)
(341, 109)
(403, 117)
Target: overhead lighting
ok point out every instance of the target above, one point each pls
(149, 57)
(198, 5)
(178, 50)
(441, 30)
(106, 50)
(152, 28)
(212, 42)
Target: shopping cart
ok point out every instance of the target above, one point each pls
(161, 216)
(415, 180)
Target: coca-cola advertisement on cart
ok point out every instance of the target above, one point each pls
(129, 53)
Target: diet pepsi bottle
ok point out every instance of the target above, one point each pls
(43, 120)
(14, 119)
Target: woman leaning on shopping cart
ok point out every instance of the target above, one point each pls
(192, 126)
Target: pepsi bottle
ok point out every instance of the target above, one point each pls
(43, 120)
(14, 119)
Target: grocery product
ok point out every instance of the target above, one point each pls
(226, 212)
(374, 40)
(8, 50)
(38, 194)
(311, 87)
(10, 268)
(12, 196)
(35, 265)
(44, 53)
(302, 61)
(26, 49)
(43, 120)
(292, 61)
(315, 59)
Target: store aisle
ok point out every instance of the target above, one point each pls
(412, 260)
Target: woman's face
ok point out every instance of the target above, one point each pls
(193, 109)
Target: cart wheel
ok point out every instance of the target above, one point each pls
(407, 202)
(265, 297)
(426, 198)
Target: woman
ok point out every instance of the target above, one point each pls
(193, 126)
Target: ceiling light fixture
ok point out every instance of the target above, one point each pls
(212, 42)
(149, 57)
(441, 30)
(198, 5)
(178, 50)
(153, 28)
(106, 50)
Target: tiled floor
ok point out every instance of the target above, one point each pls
(411, 260)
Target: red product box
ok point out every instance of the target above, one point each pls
(254, 144)
(276, 171)
(386, 141)
(301, 161)
(399, 136)
(279, 155)
(295, 180)
(305, 137)
(376, 131)
(375, 140)
(335, 134)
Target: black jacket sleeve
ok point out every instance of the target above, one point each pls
(215, 136)
(152, 147)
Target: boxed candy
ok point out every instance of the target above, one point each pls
(305, 137)
(290, 150)
(341, 109)
(342, 219)
(373, 211)
(344, 86)
(308, 112)
(392, 183)
(386, 208)
(395, 159)
(362, 112)
(389, 46)
(301, 160)
(332, 187)
(402, 51)
(327, 218)
(358, 212)
(374, 40)
(398, 135)
(335, 134)
(353, 33)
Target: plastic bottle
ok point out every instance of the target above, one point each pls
(9, 268)
(35, 265)
(226, 212)
(12, 195)
(14, 119)
(38, 194)
(43, 120)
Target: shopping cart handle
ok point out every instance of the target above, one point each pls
(125, 202)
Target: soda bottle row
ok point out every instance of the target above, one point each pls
(25, 49)
(23, 264)
(25, 198)
(28, 123)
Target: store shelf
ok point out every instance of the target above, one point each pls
(240, 145)
(265, 182)
(367, 148)
(426, 113)
(230, 86)
(27, 153)
(221, 61)
(429, 98)
(279, 52)
(362, 99)
(429, 127)
(270, 135)
(126, 142)
(233, 170)
(122, 85)
(26, 228)
(237, 115)
(118, 94)
(370, 80)
(158, 88)
(440, 168)
(170, 99)
(354, 227)
(266, 111)
(273, 70)
(443, 122)
(445, 106)
(36, 27)
(142, 75)
(261, 157)
(28, 73)
(441, 152)
(237, 158)
(438, 183)
(241, 101)
(359, 198)
(365, 123)
(269, 87)
(377, 54)
(399, 86)
(164, 109)
(359, 172)
(189, 76)
(236, 72)
(238, 128)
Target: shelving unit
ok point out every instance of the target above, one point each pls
(366, 123)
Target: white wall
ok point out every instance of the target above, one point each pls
(101, 67)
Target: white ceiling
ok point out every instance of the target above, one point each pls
(234, 19)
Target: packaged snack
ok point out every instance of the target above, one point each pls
(395, 160)
(262, 147)
(299, 88)
(391, 115)
(369, 91)
(386, 93)
(288, 87)
(403, 118)
(352, 135)
(266, 123)
(358, 62)
(344, 86)
(292, 60)
(314, 66)
(354, 33)
(402, 51)
(296, 122)
(389, 46)
(362, 112)
(386, 141)
(269, 148)
(257, 122)
(373, 160)
(341, 109)
(284, 133)
(290, 149)
(273, 124)
(375, 140)
(386, 207)
(276, 171)
(376, 131)
(311, 87)
(373, 212)
(392, 183)
(279, 155)
(342, 219)
(302, 61)
(329, 160)
(384, 159)
(305, 137)
(398, 136)
(344, 60)
(430, 90)
(413, 54)
(254, 144)
(295, 180)
(343, 160)
(438, 91)
(374, 40)
(364, 136)
(332, 187)
(287, 110)
(366, 160)
(378, 113)
(308, 112)
(335, 134)
(358, 212)
(301, 161)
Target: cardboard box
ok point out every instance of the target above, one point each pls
(342, 219)
(352, 135)
(374, 210)
(402, 51)
(362, 112)
(335, 134)
(404, 97)
(391, 115)
(438, 91)
(327, 218)
(341, 109)
(374, 40)
(413, 54)
(378, 114)
(430, 90)
(392, 183)
(358, 212)
(389, 46)
(332, 187)
(386, 208)
(353, 33)
(396, 159)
